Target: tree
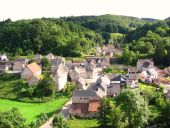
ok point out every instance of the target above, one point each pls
(117, 119)
(45, 87)
(165, 114)
(60, 122)
(104, 112)
(135, 108)
(19, 52)
(12, 119)
(46, 65)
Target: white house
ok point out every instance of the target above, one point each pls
(60, 75)
(3, 57)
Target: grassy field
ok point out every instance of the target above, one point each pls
(83, 123)
(31, 111)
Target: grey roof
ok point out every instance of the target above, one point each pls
(60, 70)
(84, 93)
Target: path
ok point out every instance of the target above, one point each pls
(64, 110)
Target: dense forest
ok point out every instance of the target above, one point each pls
(69, 36)
(46, 35)
(75, 36)
(151, 40)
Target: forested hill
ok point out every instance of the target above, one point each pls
(108, 23)
(151, 40)
(46, 35)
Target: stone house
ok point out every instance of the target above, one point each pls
(108, 50)
(5, 66)
(37, 58)
(19, 64)
(144, 64)
(50, 56)
(85, 103)
(115, 85)
(132, 77)
(31, 73)
(3, 57)
(149, 75)
(60, 75)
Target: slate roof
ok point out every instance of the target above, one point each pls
(60, 70)
(84, 93)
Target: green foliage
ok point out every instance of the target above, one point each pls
(46, 64)
(112, 69)
(82, 123)
(107, 23)
(40, 121)
(12, 119)
(31, 111)
(152, 39)
(27, 37)
(135, 108)
(68, 89)
(117, 118)
(45, 87)
(60, 122)
(104, 112)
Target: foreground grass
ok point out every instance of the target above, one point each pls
(31, 111)
(83, 123)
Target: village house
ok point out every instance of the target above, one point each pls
(98, 51)
(107, 50)
(60, 75)
(101, 62)
(116, 83)
(85, 103)
(149, 75)
(5, 66)
(144, 64)
(87, 73)
(132, 77)
(50, 56)
(19, 64)
(37, 58)
(31, 73)
(3, 57)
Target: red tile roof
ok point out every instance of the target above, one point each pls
(34, 67)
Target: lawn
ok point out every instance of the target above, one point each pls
(83, 123)
(31, 111)
(146, 87)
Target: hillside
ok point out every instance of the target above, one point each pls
(46, 35)
(107, 23)
(151, 41)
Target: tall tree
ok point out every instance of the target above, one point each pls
(104, 112)
(135, 108)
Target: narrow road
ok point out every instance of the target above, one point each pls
(64, 110)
